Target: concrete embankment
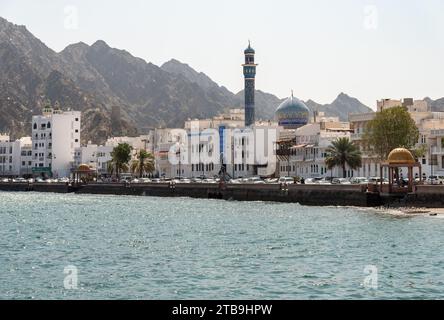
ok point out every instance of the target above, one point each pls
(312, 195)
(304, 194)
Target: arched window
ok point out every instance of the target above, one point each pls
(48, 125)
(35, 126)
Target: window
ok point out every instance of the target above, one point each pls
(77, 119)
(35, 126)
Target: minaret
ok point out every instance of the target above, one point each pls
(249, 75)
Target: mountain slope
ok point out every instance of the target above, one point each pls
(95, 78)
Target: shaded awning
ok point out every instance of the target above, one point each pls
(298, 146)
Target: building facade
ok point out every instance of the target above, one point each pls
(55, 136)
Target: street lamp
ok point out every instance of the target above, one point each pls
(179, 147)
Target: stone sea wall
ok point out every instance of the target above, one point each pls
(303, 194)
(311, 195)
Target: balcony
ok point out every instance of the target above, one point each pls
(438, 150)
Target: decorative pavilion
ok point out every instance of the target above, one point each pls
(400, 158)
(82, 173)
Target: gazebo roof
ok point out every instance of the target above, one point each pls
(401, 156)
(83, 168)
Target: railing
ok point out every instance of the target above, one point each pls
(438, 150)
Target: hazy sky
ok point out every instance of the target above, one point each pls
(370, 49)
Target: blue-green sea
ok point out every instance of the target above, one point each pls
(178, 248)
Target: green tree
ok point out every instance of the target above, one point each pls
(120, 156)
(391, 128)
(143, 164)
(343, 152)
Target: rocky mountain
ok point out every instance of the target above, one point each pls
(341, 107)
(95, 78)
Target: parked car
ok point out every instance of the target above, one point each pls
(287, 180)
(435, 180)
(340, 181)
(272, 180)
(359, 180)
(19, 180)
(377, 180)
(5, 180)
(255, 180)
(325, 181)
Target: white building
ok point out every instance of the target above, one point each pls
(431, 130)
(55, 136)
(309, 149)
(206, 146)
(15, 156)
(95, 156)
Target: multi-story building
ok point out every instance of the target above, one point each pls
(143, 142)
(25, 156)
(55, 136)
(15, 156)
(431, 129)
(95, 156)
(308, 150)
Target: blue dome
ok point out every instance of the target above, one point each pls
(292, 113)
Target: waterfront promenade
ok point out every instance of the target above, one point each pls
(311, 195)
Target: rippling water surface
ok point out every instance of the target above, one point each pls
(156, 248)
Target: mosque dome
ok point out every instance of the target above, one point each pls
(292, 113)
(249, 50)
(401, 156)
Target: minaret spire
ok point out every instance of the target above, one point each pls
(250, 79)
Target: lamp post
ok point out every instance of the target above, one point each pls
(431, 166)
(179, 147)
(232, 155)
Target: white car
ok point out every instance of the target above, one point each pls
(377, 180)
(19, 180)
(359, 180)
(340, 181)
(435, 180)
(255, 180)
(286, 180)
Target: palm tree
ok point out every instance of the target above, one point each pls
(341, 153)
(144, 164)
(120, 156)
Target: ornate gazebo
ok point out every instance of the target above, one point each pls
(82, 172)
(400, 158)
